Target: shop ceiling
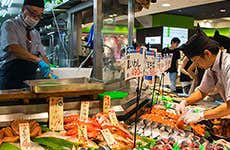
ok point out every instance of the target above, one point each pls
(207, 11)
(119, 8)
(167, 5)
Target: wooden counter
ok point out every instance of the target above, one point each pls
(26, 94)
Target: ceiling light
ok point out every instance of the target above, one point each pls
(222, 10)
(165, 5)
(210, 21)
(226, 18)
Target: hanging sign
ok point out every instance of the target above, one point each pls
(134, 64)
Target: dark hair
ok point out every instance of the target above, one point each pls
(222, 40)
(175, 40)
(38, 3)
(196, 45)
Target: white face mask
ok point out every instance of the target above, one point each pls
(30, 21)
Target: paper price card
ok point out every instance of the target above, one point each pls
(109, 138)
(106, 104)
(82, 132)
(134, 65)
(84, 113)
(113, 118)
(149, 69)
(56, 113)
(24, 133)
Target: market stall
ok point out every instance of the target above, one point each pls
(137, 112)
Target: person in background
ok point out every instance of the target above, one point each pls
(197, 74)
(174, 64)
(185, 77)
(21, 48)
(206, 53)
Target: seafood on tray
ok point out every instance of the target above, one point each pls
(172, 121)
(11, 133)
(94, 125)
(171, 143)
(156, 130)
(221, 127)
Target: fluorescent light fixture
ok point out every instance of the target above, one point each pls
(166, 5)
(3, 3)
(10, 3)
(226, 18)
(113, 15)
(222, 10)
(7, 3)
(210, 21)
(3, 12)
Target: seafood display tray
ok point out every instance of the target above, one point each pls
(63, 85)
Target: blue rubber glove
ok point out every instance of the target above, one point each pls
(44, 68)
(53, 76)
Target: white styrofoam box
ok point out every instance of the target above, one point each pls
(63, 73)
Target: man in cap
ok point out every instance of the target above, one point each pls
(206, 54)
(21, 48)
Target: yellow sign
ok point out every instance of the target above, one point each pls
(106, 104)
(24, 133)
(113, 118)
(56, 106)
(84, 111)
(109, 138)
(82, 132)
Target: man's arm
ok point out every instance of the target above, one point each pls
(22, 53)
(220, 111)
(195, 97)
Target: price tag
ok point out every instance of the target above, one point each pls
(113, 118)
(56, 113)
(109, 138)
(24, 133)
(134, 64)
(106, 104)
(82, 132)
(84, 113)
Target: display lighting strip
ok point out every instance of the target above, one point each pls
(7, 3)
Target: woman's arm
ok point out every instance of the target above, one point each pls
(191, 70)
(182, 68)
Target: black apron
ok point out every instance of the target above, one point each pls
(14, 73)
